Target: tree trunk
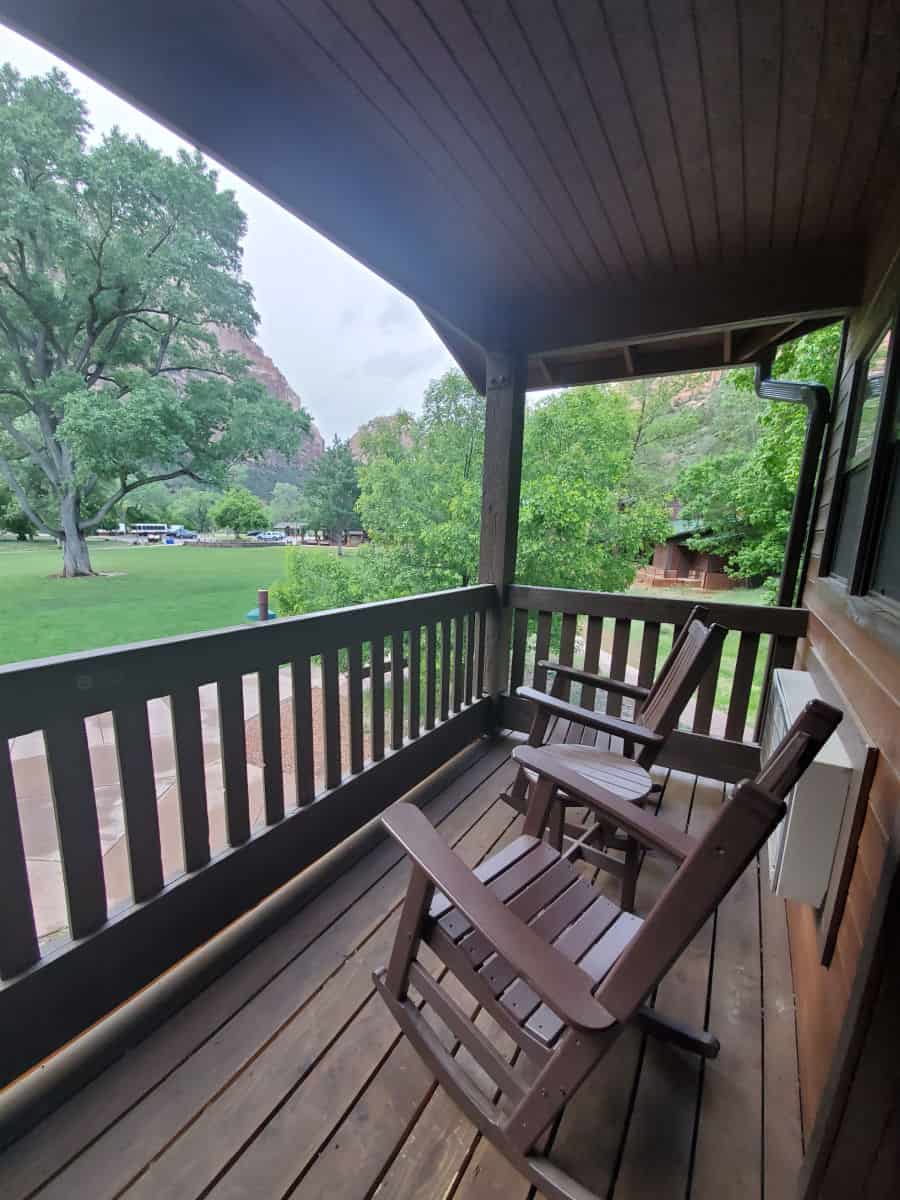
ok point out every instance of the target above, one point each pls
(76, 559)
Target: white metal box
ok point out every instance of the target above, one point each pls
(801, 850)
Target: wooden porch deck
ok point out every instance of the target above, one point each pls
(287, 1076)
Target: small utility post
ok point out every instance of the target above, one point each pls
(504, 425)
(262, 603)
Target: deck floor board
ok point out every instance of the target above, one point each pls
(287, 1076)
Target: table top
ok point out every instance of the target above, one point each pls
(617, 774)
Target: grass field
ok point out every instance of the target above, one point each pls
(149, 592)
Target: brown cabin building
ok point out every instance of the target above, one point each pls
(572, 192)
(675, 563)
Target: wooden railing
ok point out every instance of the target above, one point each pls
(350, 760)
(625, 637)
(365, 702)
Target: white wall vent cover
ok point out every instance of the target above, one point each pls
(801, 849)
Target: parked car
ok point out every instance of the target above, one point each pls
(187, 535)
(270, 535)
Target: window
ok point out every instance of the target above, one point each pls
(853, 487)
(866, 546)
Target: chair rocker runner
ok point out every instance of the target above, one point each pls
(656, 712)
(557, 966)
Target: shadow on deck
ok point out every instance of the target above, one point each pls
(287, 1076)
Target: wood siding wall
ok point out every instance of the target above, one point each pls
(865, 667)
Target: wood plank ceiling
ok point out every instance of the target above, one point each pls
(617, 187)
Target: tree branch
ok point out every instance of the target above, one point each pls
(16, 488)
(123, 491)
(41, 461)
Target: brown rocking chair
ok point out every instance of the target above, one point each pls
(656, 713)
(560, 968)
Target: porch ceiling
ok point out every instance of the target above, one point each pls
(617, 189)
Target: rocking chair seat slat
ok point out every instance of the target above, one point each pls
(487, 871)
(549, 924)
(577, 944)
(598, 962)
(505, 885)
(529, 902)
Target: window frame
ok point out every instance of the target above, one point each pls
(877, 467)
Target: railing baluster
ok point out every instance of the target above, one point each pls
(354, 688)
(542, 649)
(234, 759)
(619, 662)
(19, 944)
(304, 750)
(519, 647)
(270, 739)
(415, 679)
(331, 718)
(741, 686)
(72, 788)
(430, 674)
(187, 729)
(649, 651)
(376, 695)
(458, 658)
(706, 695)
(567, 650)
(138, 783)
(592, 646)
(445, 669)
(479, 656)
(396, 691)
(470, 657)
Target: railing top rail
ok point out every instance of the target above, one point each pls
(33, 694)
(785, 622)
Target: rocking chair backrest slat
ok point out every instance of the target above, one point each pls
(698, 613)
(714, 865)
(698, 644)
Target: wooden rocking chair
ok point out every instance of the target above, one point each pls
(560, 968)
(656, 713)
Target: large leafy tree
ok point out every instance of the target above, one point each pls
(287, 504)
(420, 482)
(240, 511)
(579, 524)
(331, 491)
(114, 261)
(743, 500)
(192, 507)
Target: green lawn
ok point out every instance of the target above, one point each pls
(150, 592)
(729, 649)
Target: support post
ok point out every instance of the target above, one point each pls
(504, 423)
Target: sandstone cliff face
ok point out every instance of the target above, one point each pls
(263, 369)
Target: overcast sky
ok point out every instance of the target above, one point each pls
(349, 344)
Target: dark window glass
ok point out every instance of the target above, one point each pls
(869, 403)
(850, 522)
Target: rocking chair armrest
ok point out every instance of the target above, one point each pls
(643, 826)
(557, 980)
(602, 682)
(585, 716)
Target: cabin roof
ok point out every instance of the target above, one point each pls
(615, 189)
